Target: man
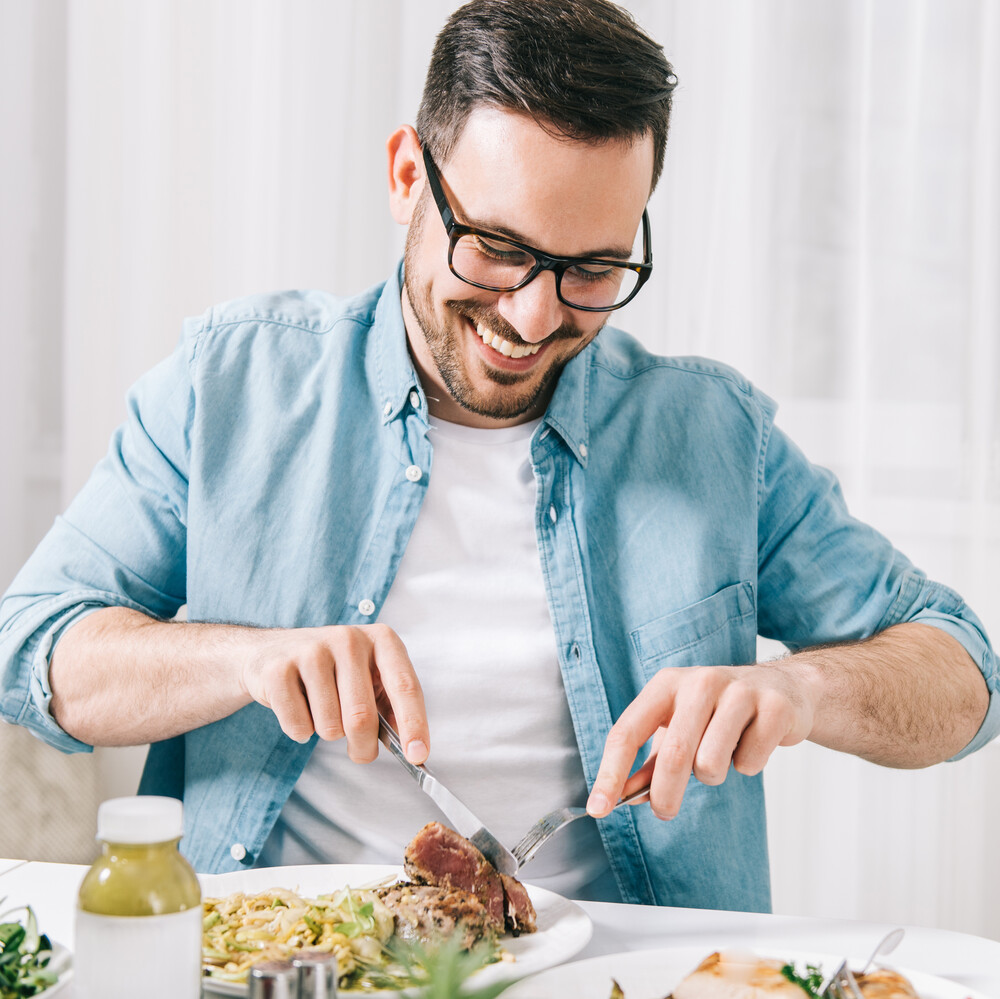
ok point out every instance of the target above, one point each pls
(458, 499)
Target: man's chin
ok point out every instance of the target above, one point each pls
(497, 409)
(499, 404)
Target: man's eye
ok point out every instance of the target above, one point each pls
(503, 252)
(591, 273)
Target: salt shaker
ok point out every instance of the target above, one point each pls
(317, 974)
(274, 980)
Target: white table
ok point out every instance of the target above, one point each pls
(973, 961)
(9, 865)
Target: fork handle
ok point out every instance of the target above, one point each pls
(634, 796)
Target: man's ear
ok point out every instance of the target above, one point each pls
(406, 173)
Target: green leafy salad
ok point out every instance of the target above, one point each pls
(24, 957)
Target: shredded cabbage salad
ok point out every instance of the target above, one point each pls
(353, 924)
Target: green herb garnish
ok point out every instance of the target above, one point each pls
(439, 970)
(810, 983)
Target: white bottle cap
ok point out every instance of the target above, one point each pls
(143, 819)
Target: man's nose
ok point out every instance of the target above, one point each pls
(534, 310)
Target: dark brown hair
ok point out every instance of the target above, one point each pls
(581, 68)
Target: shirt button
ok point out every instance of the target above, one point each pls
(237, 851)
(367, 607)
(413, 473)
(553, 516)
(415, 400)
(387, 408)
(583, 450)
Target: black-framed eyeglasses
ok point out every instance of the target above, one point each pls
(488, 260)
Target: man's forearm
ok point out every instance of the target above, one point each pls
(908, 697)
(120, 678)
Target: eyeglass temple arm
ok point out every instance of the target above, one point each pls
(447, 215)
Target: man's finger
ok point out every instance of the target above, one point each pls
(640, 779)
(283, 694)
(316, 668)
(353, 663)
(398, 679)
(678, 743)
(760, 739)
(734, 712)
(637, 723)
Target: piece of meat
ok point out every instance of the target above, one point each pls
(885, 984)
(438, 856)
(736, 976)
(745, 976)
(428, 914)
(519, 913)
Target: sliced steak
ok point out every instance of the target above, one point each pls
(429, 914)
(518, 911)
(438, 856)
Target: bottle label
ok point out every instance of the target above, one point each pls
(123, 957)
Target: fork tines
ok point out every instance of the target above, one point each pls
(842, 985)
(541, 831)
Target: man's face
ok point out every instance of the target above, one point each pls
(489, 358)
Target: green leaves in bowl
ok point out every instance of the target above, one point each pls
(24, 956)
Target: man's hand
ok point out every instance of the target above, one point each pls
(334, 680)
(702, 719)
(120, 678)
(910, 696)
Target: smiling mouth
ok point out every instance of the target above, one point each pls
(505, 347)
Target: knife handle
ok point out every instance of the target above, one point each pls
(388, 737)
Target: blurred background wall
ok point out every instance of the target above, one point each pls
(829, 222)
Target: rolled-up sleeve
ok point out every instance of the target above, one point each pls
(121, 542)
(825, 577)
(921, 599)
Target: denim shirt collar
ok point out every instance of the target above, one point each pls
(567, 410)
(395, 375)
(397, 379)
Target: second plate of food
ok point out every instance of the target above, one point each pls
(654, 974)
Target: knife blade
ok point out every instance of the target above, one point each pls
(462, 820)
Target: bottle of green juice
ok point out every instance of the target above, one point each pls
(138, 918)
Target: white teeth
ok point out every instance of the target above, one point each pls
(505, 347)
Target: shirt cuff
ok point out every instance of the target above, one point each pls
(973, 640)
(29, 701)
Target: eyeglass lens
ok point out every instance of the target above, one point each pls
(501, 266)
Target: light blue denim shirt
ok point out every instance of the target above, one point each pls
(264, 476)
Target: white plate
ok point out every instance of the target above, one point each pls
(563, 927)
(651, 974)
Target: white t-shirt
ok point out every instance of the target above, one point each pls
(469, 604)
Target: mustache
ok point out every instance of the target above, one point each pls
(477, 313)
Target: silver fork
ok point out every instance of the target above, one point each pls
(548, 825)
(843, 985)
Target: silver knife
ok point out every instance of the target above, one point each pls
(461, 818)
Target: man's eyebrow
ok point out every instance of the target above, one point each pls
(606, 253)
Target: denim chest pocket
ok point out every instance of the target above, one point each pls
(720, 630)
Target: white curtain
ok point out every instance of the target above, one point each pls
(828, 222)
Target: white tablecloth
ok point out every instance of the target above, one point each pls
(972, 961)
